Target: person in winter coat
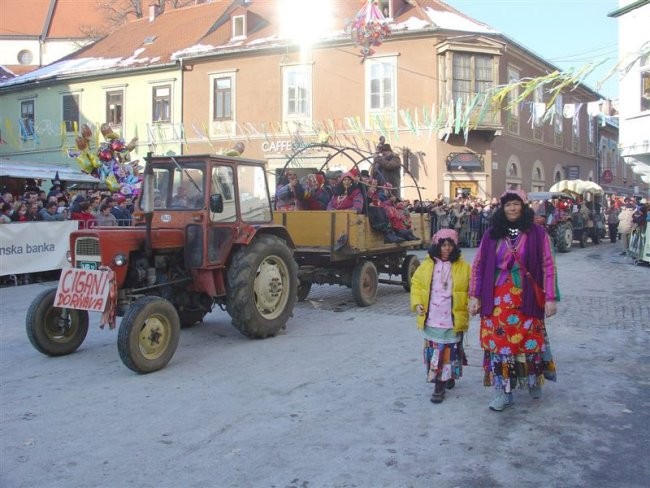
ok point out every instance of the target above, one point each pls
(84, 216)
(289, 194)
(347, 195)
(439, 297)
(514, 287)
(612, 223)
(625, 225)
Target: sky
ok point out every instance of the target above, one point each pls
(567, 33)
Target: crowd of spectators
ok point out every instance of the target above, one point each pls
(90, 208)
(84, 206)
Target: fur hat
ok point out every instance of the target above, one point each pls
(445, 234)
(513, 193)
(333, 175)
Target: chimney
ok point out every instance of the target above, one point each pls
(154, 10)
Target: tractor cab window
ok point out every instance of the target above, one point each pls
(254, 198)
(179, 188)
(223, 184)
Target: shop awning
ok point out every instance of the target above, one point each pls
(41, 171)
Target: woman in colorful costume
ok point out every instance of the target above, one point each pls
(514, 287)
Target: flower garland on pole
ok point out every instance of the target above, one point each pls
(110, 162)
(369, 28)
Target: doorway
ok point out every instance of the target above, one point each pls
(463, 188)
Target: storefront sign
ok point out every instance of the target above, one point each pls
(283, 146)
(464, 162)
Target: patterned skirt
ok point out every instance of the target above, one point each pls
(443, 361)
(517, 351)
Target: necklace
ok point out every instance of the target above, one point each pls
(445, 278)
(513, 233)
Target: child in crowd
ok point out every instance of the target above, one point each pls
(439, 297)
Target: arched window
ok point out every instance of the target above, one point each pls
(558, 176)
(513, 173)
(539, 182)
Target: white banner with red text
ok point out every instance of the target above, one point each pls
(30, 247)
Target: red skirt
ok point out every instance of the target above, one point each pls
(508, 330)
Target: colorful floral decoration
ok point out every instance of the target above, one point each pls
(110, 162)
(369, 28)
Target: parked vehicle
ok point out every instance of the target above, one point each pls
(204, 235)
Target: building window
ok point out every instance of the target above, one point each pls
(161, 110)
(71, 112)
(380, 87)
(472, 74)
(538, 177)
(591, 145)
(557, 177)
(575, 140)
(27, 119)
(538, 99)
(222, 98)
(558, 122)
(114, 108)
(513, 108)
(645, 82)
(238, 26)
(297, 92)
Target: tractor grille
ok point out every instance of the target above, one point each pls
(87, 246)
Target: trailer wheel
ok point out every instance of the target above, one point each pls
(55, 331)
(148, 335)
(304, 288)
(262, 287)
(410, 264)
(365, 283)
(564, 237)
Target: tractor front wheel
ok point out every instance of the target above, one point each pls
(55, 331)
(149, 334)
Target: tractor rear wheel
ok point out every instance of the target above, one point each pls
(262, 287)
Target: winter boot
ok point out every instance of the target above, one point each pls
(535, 392)
(501, 401)
(439, 392)
(391, 238)
(451, 383)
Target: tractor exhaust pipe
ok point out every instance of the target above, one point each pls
(147, 203)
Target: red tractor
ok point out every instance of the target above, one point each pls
(203, 235)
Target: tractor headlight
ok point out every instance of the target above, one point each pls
(68, 256)
(119, 259)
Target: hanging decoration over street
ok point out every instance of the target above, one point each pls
(369, 28)
(109, 161)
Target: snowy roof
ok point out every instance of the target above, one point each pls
(205, 30)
